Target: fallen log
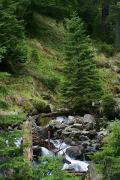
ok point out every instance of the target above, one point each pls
(59, 113)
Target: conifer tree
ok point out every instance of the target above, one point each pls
(82, 83)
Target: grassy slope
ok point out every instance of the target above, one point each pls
(42, 72)
(109, 68)
(40, 75)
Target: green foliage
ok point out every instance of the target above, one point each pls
(12, 33)
(105, 48)
(108, 159)
(20, 53)
(82, 83)
(12, 164)
(50, 169)
(108, 103)
(6, 120)
(3, 75)
(41, 105)
(3, 105)
(2, 52)
(50, 82)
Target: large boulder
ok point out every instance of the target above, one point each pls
(74, 151)
(70, 131)
(54, 124)
(88, 118)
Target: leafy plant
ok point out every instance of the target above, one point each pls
(108, 159)
(50, 169)
(108, 103)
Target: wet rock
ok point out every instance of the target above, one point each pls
(70, 122)
(10, 128)
(83, 138)
(74, 151)
(101, 135)
(95, 147)
(85, 144)
(73, 143)
(88, 118)
(92, 134)
(36, 151)
(68, 140)
(85, 133)
(62, 126)
(88, 126)
(54, 124)
(78, 120)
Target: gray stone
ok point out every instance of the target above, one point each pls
(68, 140)
(88, 118)
(54, 124)
(74, 151)
(78, 120)
(78, 126)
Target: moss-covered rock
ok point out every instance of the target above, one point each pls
(41, 105)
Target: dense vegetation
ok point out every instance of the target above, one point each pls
(82, 84)
(57, 49)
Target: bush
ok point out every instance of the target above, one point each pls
(3, 105)
(2, 52)
(20, 53)
(108, 103)
(108, 159)
(108, 49)
(50, 82)
(50, 169)
(41, 105)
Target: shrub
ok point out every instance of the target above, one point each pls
(41, 105)
(3, 105)
(108, 159)
(50, 82)
(108, 103)
(20, 52)
(2, 52)
(108, 49)
(50, 169)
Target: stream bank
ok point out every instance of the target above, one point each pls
(72, 137)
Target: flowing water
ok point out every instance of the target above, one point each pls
(71, 163)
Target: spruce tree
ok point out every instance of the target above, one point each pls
(82, 83)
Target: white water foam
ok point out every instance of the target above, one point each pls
(46, 152)
(78, 166)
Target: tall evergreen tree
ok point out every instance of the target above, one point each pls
(82, 83)
(12, 33)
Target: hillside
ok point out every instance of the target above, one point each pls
(57, 85)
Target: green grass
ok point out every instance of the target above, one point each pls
(48, 32)
(7, 120)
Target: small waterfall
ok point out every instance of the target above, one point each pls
(61, 146)
(46, 152)
(78, 166)
(61, 119)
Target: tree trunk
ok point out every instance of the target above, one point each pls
(117, 31)
(105, 14)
